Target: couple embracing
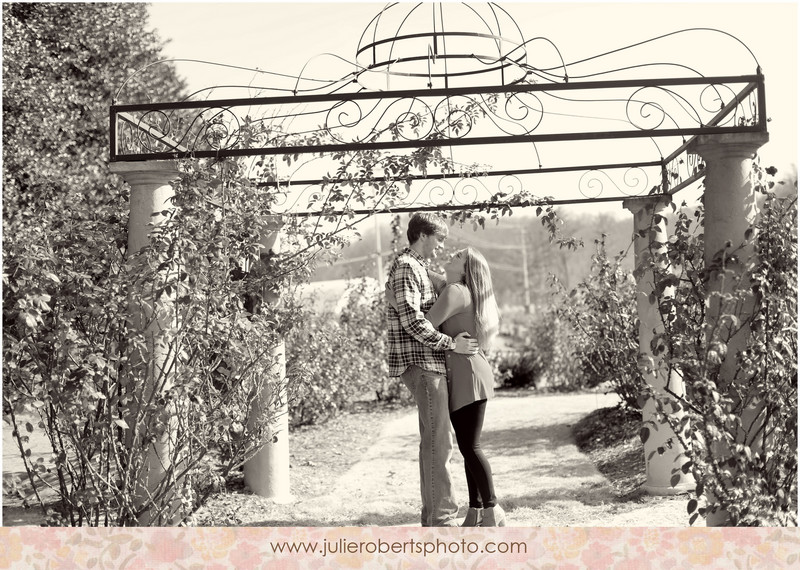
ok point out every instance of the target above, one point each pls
(439, 327)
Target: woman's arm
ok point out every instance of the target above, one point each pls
(439, 281)
(406, 284)
(451, 301)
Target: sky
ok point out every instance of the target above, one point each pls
(283, 37)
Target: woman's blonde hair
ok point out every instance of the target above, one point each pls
(478, 280)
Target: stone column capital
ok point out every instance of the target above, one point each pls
(149, 172)
(651, 203)
(151, 195)
(728, 145)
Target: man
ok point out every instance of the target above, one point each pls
(416, 354)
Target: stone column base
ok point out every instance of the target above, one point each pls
(679, 489)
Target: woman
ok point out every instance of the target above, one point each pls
(467, 303)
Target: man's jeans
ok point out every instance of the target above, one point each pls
(439, 507)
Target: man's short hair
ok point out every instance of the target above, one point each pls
(425, 223)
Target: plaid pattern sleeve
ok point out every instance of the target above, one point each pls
(411, 338)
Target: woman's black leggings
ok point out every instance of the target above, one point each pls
(468, 424)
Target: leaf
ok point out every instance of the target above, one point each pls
(691, 506)
(644, 434)
(122, 423)
(29, 319)
(675, 479)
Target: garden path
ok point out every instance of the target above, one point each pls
(541, 478)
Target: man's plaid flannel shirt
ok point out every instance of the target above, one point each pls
(412, 338)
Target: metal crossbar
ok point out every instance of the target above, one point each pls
(523, 115)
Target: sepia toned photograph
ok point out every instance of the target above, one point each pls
(416, 264)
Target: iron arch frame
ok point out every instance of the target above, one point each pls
(538, 132)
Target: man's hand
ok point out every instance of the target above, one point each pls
(465, 344)
(390, 298)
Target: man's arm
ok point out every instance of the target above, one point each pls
(408, 294)
(465, 344)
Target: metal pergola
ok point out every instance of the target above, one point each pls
(536, 136)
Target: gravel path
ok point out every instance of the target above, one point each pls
(541, 478)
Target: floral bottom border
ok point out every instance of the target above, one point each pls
(398, 547)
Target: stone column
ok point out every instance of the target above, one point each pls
(730, 209)
(664, 476)
(151, 194)
(267, 472)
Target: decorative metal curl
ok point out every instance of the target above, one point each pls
(414, 122)
(220, 132)
(468, 191)
(152, 132)
(636, 180)
(343, 117)
(303, 198)
(510, 185)
(521, 113)
(454, 120)
(712, 101)
(591, 183)
(439, 192)
(651, 114)
(683, 167)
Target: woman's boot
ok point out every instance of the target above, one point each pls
(494, 516)
(473, 517)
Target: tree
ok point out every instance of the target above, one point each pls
(65, 220)
(62, 66)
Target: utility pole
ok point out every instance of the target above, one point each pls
(378, 254)
(525, 284)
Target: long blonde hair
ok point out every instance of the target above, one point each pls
(478, 280)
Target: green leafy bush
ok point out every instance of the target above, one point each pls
(518, 370)
(545, 359)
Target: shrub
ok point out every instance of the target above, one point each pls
(518, 370)
(363, 320)
(82, 365)
(605, 330)
(335, 360)
(736, 351)
(545, 358)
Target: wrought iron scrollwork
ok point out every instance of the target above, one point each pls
(634, 182)
(684, 167)
(649, 108)
(599, 118)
